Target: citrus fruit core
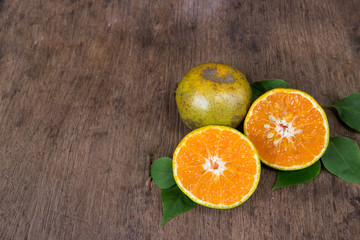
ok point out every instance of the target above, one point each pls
(216, 166)
(288, 128)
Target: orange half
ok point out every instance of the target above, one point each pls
(288, 128)
(216, 166)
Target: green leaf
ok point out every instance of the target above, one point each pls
(342, 158)
(261, 87)
(162, 173)
(349, 110)
(174, 202)
(290, 178)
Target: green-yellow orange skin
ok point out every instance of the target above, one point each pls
(213, 94)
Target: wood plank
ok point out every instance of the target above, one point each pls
(87, 103)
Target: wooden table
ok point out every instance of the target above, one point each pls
(87, 104)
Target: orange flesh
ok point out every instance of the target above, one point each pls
(287, 130)
(235, 160)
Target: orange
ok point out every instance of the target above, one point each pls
(213, 94)
(216, 166)
(288, 128)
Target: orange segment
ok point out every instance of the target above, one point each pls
(288, 128)
(211, 138)
(209, 187)
(311, 117)
(235, 185)
(216, 166)
(264, 145)
(296, 103)
(227, 140)
(290, 154)
(312, 138)
(190, 176)
(240, 158)
(189, 157)
(196, 145)
(245, 166)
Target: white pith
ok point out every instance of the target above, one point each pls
(215, 165)
(279, 129)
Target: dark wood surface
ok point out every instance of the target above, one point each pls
(87, 104)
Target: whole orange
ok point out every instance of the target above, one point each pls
(213, 94)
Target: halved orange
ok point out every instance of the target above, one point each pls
(288, 128)
(216, 166)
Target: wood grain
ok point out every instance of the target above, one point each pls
(87, 103)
